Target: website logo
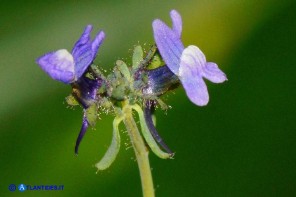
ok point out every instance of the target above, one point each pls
(12, 187)
(22, 187)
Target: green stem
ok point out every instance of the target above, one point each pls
(141, 151)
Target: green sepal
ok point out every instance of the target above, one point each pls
(137, 56)
(155, 62)
(113, 149)
(149, 55)
(119, 92)
(122, 67)
(96, 72)
(71, 100)
(91, 114)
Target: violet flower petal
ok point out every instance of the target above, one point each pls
(97, 43)
(84, 51)
(59, 65)
(82, 41)
(168, 41)
(213, 73)
(192, 63)
(177, 22)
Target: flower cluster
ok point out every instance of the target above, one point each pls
(166, 65)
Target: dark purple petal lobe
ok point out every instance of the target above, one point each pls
(82, 52)
(82, 61)
(83, 40)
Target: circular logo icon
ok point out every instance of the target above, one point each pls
(22, 187)
(12, 187)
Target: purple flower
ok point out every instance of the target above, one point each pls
(189, 64)
(68, 68)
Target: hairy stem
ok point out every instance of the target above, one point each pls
(140, 151)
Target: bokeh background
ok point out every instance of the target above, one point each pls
(241, 144)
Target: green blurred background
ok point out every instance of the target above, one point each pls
(241, 144)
